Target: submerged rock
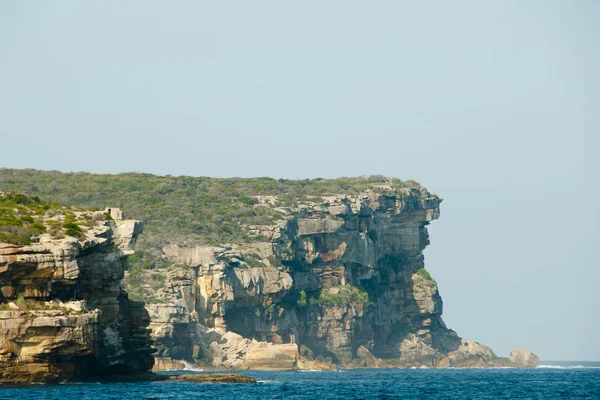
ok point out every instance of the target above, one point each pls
(213, 378)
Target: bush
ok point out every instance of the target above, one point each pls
(346, 294)
(302, 301)
(19, 216)
(423, 273)
(71, 228)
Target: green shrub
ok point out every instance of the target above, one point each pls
(38, 227)
(15, 239)
(72, 229)
(302, 301)
(19, 216)
(346, 294)
(423, 273)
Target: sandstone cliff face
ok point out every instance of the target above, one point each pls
(341, 279)
(63, 312)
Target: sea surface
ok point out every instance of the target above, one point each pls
(552, 380)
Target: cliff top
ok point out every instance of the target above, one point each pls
(25, 219)
(196, 210)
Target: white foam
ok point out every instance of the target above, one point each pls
(567, 367)
(189, 367)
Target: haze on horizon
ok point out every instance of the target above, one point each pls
(491, 105)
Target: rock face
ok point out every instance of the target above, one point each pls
(523, 358)
(341, 280)
(63, 312)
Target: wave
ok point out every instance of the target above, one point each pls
(568, 366)
(189, 367)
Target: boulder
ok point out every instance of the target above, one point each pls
(272, 356)
(523, 358)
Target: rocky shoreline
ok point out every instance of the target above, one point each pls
(149, 377)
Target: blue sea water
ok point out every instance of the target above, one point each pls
(550, 381)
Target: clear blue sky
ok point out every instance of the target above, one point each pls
(494, 105)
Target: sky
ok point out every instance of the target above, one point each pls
(494, 106)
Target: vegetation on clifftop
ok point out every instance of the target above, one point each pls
(23, 217)
(186, 210)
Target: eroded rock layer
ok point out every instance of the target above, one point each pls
(63, 312)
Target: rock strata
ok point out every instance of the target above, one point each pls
(339, 282)
(64, 314)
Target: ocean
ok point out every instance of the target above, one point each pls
(552, 380)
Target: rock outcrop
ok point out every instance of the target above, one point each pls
(341, 280)
(64, 314)
(523, 358)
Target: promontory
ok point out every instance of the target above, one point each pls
(228, 274)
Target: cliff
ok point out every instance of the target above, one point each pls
(265, 273)
(64, 314)
(340, 282)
